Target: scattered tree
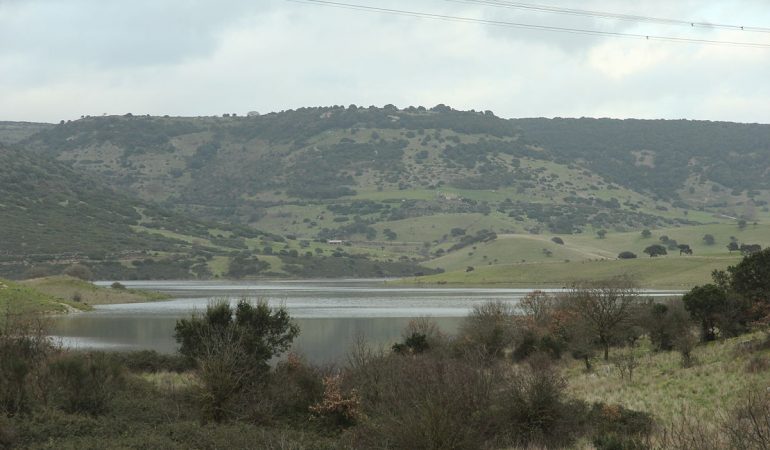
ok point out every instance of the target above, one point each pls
(655, 250)
(601, 234)
(646, 234)
(684, 249)
(626, 255)
(708, 239)
(733, 246)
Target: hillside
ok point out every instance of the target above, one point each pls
(423, 185)
(52, 216)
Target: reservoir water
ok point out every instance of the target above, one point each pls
(331, 314)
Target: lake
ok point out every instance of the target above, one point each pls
(331, 314)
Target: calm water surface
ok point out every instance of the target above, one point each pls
(331, 314)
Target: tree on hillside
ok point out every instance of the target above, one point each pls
(655, 250)
(750, 249)
(626, 255)
(684, 249)
(708, 239)
(605, 308)
(601, 233)
(646, 233)
(742, 224)
(732, 246)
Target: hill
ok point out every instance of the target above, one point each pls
(426, 185)
(53, 216)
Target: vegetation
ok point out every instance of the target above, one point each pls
(597, 366)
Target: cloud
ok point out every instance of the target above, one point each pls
(60, 60)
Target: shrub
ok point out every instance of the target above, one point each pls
(79, 271)
(627, 255)
(117, 285)
(533, 411)
(231, 351)
(341, 410)
(557, 240)
(488, 329)
(616, 427)
(83, 383)
(24, 347)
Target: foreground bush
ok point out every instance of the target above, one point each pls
(231, 350)
(83, 383)
(24, 348)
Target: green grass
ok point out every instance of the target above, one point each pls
(64, 289)
(19, 299)
(663, 272)
(661, 386)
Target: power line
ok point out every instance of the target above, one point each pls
(610, 15)
(501, 23)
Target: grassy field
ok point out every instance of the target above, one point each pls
(19, 299)
(661, 386)
(65, 289)
(663, 272)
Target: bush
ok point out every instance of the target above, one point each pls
(533, 411)
(616, 427)
(24, 347)
(231, 350)
(488, 329)
(117, 285)
(626, 255)
(83, 383)
(79, 271)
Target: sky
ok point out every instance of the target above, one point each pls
(60, 60)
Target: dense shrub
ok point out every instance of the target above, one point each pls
(83, 383)
(24, 347)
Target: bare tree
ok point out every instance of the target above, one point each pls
(604, 306)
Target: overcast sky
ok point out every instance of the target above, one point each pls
(60, 59)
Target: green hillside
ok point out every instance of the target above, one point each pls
(399, 187)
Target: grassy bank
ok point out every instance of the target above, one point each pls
(66, 288)
(663, 272)
(19, 299)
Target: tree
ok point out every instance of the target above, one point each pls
(646, 234)
(601, 234)
(742, 224)
(488, 329)
(557, 240)
(655, 250)
(684, 249)
(626, 255)
(705, 304)
(751, 277)
(732, 246)
(231, 349)
(750, 249)
(708, 239)
(604, 307)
